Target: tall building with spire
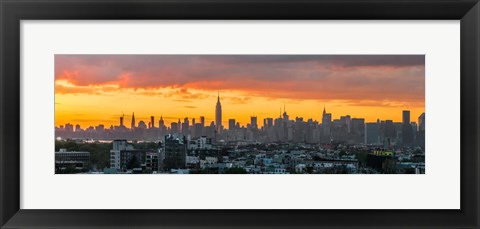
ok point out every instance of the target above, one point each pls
(121, 120)
(285, 115)
(218, 115)
(161, 123)
(132, 126)
(326, 117)
(326, 124)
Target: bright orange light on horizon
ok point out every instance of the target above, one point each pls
(92, 110)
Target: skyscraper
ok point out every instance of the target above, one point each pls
(231, 124)
(185, 127)
(121, 120)
(218, 115)
(161, 126)
(152, 121)
(285, 115)
(174, 127)
(420, 138)
(406, 117)
(268, 122)
(132, 126)
(326, 124)
(161, 123)
(326, 117)
(372, 133)
(175, 152)
(407, 133)
(358, 130)
(421, 122)
(253, 122)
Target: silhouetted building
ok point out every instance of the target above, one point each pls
(175, 152)
(420, 136)
(407, 133)
(358, 130)
(421, 122)
(152, 121)
(185, 127)
(406, 117)
(132, 126)
(142, 125)
(268, 122)
(218, 115)
(121, 120)
(173, 127)
(388, 132)
(326, 125)
(231, 124)
(372, 133)
(253, 122)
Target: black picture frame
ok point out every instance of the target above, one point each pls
(13, 11)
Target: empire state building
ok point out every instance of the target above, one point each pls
(218, 115)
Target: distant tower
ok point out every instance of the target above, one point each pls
(121, 120)
(152, 120)
(326, 122)
(326, 117)
(285, 115)
(406, 117)
(407, 132)
(253, 122)
(218, 115)
(421, 122)
(132, 126)
(161, 123)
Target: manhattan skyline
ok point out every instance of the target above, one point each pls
(133, 121)
(98, 89)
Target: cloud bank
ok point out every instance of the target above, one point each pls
(357, 79)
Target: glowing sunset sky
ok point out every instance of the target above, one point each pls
(97, 89)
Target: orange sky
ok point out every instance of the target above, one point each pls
(97, 89)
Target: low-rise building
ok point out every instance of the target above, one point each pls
(71, 161)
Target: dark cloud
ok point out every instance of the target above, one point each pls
(366, 77)
(341, 60)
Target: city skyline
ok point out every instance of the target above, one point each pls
(180, 86)
(240, 114)
(131, 120)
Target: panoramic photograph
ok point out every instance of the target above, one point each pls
(239, 114)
